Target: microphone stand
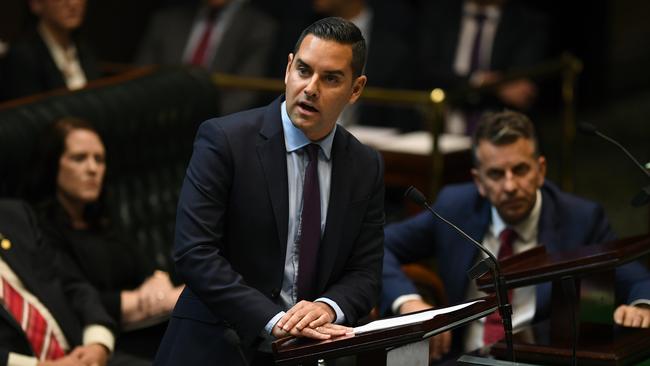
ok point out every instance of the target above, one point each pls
(643, 197)
(491, 262)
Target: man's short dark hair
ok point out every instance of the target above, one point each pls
(341, 31)
(503, 128)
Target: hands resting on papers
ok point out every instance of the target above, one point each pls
(311, 320)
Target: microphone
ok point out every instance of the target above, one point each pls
(230, 336)
(505, 309)
(643, 197)
(589, 129)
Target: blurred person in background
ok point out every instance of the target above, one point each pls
(51, 55)
(390, 52)
(75, 218)
(474, 43)
(227, 36)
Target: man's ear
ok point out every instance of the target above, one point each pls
(286, 72)
(541, 160)
(477, 181)
(357, 88)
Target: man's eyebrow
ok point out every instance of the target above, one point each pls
(335, 72)
(300, 62)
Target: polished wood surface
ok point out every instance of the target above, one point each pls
(536, 266)
(289, 351)
(599, 344)
(591, 270)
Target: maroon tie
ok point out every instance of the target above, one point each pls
(199, 55)
(38, 333)
(471, 116)
(475, 59)
(309, 234)
(493, 330)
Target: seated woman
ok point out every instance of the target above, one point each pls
(74, 217)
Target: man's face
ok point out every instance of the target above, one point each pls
(65, 15)
(509, 176)
(319, 84)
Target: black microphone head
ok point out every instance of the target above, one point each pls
(232, 337)
(416, 196)
(587, 128)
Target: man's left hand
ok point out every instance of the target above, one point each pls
(305, 317)
(632, 316)
(92, 354)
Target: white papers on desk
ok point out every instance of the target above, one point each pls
(418, 142)
(409, 319)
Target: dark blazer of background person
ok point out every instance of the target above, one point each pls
(390, 65)
(520, 41)
(245, 47)
(111, 264)
(72, 302)
(233, 213)
(566, 222)
(30, 68)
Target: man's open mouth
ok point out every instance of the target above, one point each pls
(307, 107)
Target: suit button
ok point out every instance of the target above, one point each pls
(275, 293)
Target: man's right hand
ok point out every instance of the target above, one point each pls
(439, 344)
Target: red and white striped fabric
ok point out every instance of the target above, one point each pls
(39, 332)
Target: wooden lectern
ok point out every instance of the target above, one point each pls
(399, 345)
(591, 270)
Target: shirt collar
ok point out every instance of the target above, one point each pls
(527, 229)
(295, 139)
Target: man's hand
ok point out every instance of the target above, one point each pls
(632, 316)
(311, 320)
(92, 354)
(439, 344)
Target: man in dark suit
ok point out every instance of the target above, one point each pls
(78, 328)
(228, 36)
(280, 220)
(509, 199)
(473, 42)
(51, 56)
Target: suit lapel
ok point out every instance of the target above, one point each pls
(26, 277)
(547, 231)
(339, 198)
(271, 152)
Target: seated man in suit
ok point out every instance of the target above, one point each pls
(280, 218)
(509, 208)
(228, 36)
(47, 317)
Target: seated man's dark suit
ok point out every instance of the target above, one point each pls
(565, 222)
(71, 302)
(231, 235)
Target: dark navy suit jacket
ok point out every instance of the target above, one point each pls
(566, 222)
(72, 302)
(231, 235)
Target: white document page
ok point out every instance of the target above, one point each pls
(409, 319)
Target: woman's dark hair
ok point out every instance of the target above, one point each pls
(52, 148)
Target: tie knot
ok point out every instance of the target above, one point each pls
(312, 151)
(506, 238)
